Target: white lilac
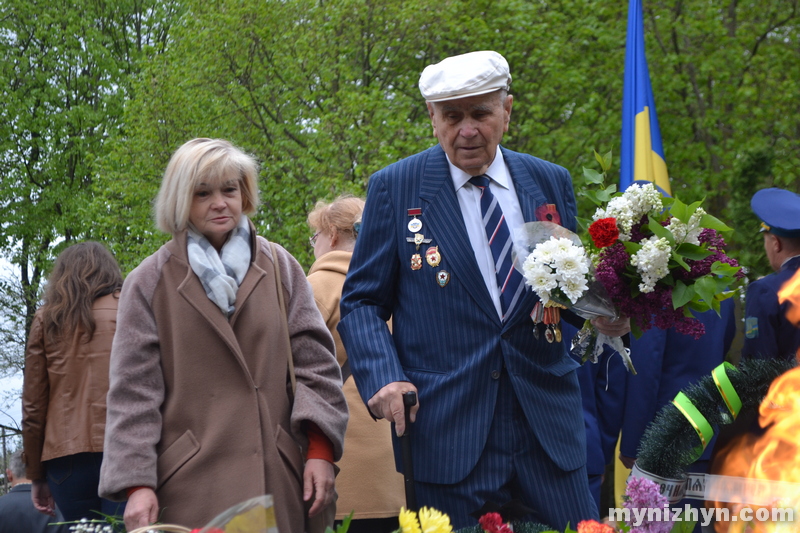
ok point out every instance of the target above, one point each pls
(651, 261)
(689, 232)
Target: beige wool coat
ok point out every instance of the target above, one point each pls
(368, 482)
(199, 405)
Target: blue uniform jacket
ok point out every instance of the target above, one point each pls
(768, 334)
(666, 363)
(448, 340)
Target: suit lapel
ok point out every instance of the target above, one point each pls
(530, 196)
(442, 215)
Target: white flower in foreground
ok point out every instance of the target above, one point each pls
(652, 262)
(540, 277)
(572, 264)
(573, 288)
(690, 231)
(643, 200)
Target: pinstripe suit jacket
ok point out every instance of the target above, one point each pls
(449, 341)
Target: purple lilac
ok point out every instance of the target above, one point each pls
(642, 493)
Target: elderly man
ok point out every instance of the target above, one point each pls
(17, 513)
(499, 415)
(768, 333)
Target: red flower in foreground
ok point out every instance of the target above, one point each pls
(593, 526)
(493, 523)
(604, 232)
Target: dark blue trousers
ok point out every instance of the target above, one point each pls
(513, 465)
(73, 482)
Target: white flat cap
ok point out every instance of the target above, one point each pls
(464, 75)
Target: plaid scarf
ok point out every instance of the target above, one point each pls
(222, 273)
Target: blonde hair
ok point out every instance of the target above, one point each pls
(210, 161)
(341, 215)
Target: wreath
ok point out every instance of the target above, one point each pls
(682, 429)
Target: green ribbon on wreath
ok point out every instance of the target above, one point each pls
(704, 430)
(726, 389)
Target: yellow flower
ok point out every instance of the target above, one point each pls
(408, 521)
(433, 521)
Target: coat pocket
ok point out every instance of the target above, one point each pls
(291, 453)
(176, 455)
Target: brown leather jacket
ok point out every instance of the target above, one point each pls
(65, 387)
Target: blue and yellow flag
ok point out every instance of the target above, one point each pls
(642, 155)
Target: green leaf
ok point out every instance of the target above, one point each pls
(660, 231)
(681, 294)
(679, 210)
(592, 176)
(724, 269)
(712, 222)
(678, 259)
(692, 251)
(705, 288)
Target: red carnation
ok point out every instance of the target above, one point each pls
(592, 526)
(604, 232)
(493, 523)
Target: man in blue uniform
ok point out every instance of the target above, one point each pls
(768, 333)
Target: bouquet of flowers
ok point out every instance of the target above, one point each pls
(658, 259)
(646, 256)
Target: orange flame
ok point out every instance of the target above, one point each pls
(790, 292)
(771, 456)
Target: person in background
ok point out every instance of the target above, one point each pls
(66, 381)
(767, 331)
(603, 396)
(368, 484)
(203, 413)
(17, 513)
(499, 413)
(667, 362)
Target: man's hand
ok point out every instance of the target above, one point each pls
(627, 461)
(318, 482)
(141, 510)
(612, 328)
(388, 403)
(42, 499)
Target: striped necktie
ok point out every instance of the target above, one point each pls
(509, 280)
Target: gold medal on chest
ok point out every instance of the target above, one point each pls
(432, 256)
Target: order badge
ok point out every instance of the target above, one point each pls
(432, 256)
(442, 278)
(416, 262)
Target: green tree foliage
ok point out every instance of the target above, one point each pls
(65, 69)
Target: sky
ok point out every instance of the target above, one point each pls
(11, 416)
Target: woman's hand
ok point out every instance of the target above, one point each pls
(142, 509)
(612, 328)
(42, 499)
(318, 482)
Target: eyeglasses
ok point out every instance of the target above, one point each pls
(313, 239)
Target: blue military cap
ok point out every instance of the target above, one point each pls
(779, 211)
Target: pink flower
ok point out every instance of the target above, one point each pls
(493, 523)
(593, 526)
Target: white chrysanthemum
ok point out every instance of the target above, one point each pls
(540, 277)
(574, 288)
(651, 261)
(544, 252)
(571, 264)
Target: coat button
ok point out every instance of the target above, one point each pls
(495, 374)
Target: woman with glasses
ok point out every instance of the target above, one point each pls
(368, 484)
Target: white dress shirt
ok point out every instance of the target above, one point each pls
(469, 199)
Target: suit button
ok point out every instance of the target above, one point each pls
(495, 374)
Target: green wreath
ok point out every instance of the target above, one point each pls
(681, 430)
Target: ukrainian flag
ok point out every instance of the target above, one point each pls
(642, 155)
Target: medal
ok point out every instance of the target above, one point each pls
(442, 277)
(416, 262)
(418, 239)
(432, 256)
(415, 224)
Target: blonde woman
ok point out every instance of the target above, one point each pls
(201, 413)
(368, 483)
